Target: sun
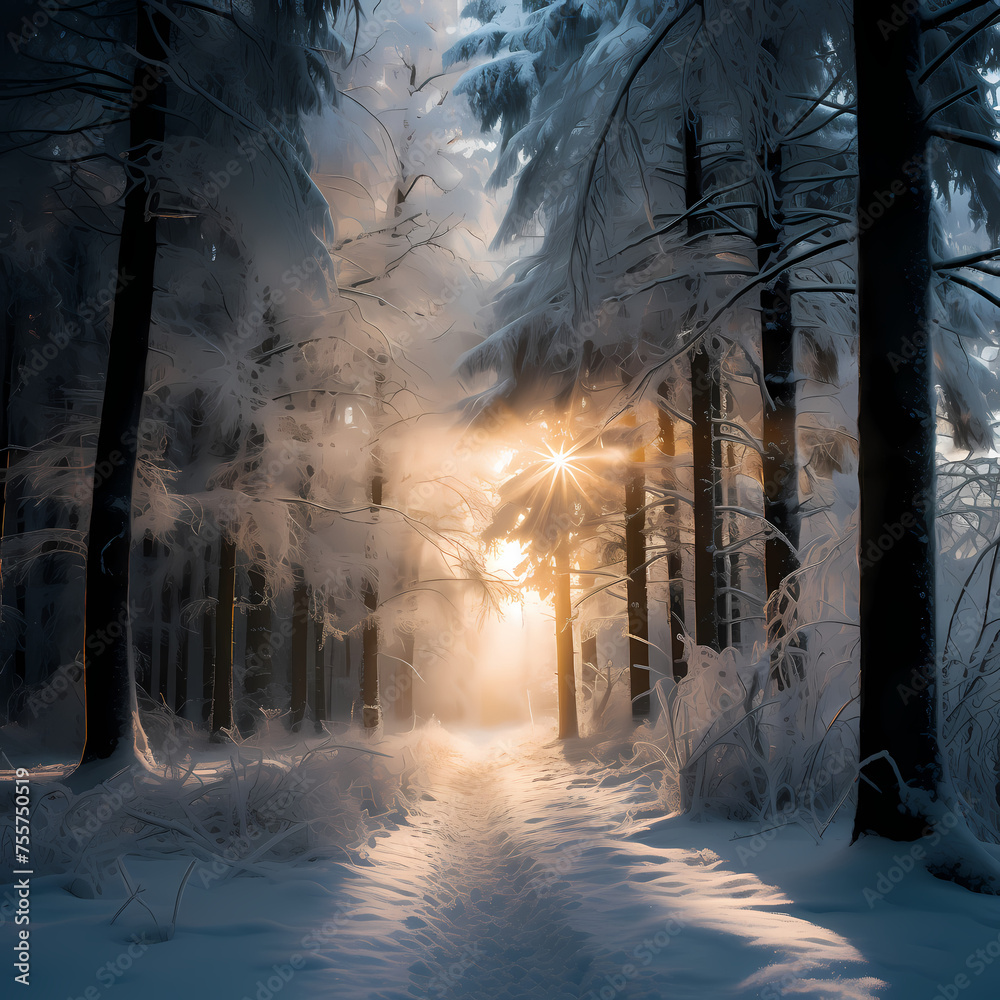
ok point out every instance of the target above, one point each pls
(561, 463)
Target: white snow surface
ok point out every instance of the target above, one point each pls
(527, 869)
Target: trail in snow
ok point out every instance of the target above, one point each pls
(482, 912)
(514, 881)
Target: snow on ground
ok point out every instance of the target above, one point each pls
(518, 874)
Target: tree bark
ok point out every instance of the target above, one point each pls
(405, 675)
(371, 710)
(6, 394)
(636, 589)
(258, 675)
(10, 678)
(705, 408)
(207, 653)
(184, 645)
(779, 465)
(319, 675)
(109, 684)
(671, 538)
(300, 654)
(222, 689)
(565, 668)
(896, 427)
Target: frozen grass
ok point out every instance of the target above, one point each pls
(252, 808)
(732, 742)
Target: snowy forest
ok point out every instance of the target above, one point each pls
(500, 499)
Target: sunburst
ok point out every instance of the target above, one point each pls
(563, 463)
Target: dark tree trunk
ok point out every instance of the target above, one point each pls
(319, 675)
(896, 426)
(636, 589)
(779, 466)
(108, 680)
(705, 412)
(705, 407)
(21, 603)
(693, 184)
(6, 392)
(371, 710)
(728, 564)
(166, 678)
(207, 656)
(7, 681)
(222, 688)
(258, 674)
(779, 431)
(10, 678)
(565, 668)
(183, 646)
(675, 576)
(300, 653)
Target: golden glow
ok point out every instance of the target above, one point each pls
(504, 557)
(503, 461)
(561, 463)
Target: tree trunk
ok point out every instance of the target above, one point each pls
(207, 655)
(108, 680)
(692, 171)
(21, 604)
(167, 675)
(300, 653)
(705, 407)
(258, 674)
(319, 675)
(184, 646)
(6, 393)
(404, 683)
(222, 689)
(779, 465)
(371, 711)
(671, 538)
(7, 684)
(636, 589)
(896, 427)
(565, 668)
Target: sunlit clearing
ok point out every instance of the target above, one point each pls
(512, 675)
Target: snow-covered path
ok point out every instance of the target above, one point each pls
(476, 905)
(524, 871)
(514, 881)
